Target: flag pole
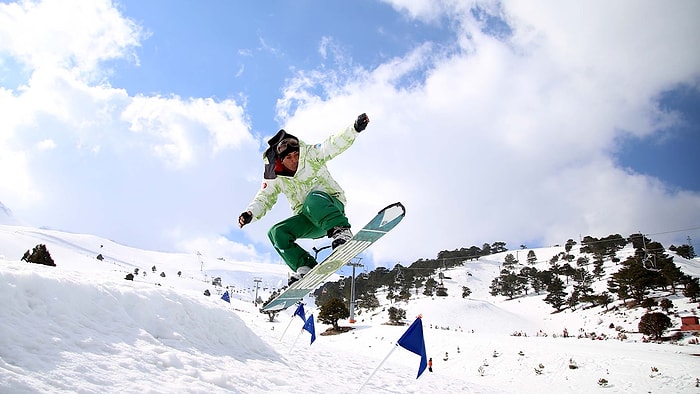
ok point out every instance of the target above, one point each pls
(302, 316)
(412, 340)
(295, 341)
(377, 369)
(285, 330)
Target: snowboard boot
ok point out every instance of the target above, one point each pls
(301, 271)
(340, 235)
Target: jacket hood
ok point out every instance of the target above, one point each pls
(270, 155)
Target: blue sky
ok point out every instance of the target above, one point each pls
(144, 121)
(234, 49)
(673, 156)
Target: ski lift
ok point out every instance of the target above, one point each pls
(364, 274)
(441, 290)
(648, 260)
(399, 276)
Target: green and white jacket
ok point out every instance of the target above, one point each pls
(311, 175)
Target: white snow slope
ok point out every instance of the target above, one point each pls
(80, 327)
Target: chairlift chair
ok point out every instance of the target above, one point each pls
(649, 263)
(649, 260)
(399, 278)
(441, 290)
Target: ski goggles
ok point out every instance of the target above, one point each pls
(286, 146)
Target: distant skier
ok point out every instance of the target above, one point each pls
(430, 364)
(299, 171)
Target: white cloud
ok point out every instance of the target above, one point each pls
(79, 154)
(70, 34)
(513, 139)
(46, 144)
(217, 246)
(176, 127)
(425, 10)
(491, 140)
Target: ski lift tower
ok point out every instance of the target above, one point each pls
(257, 286)
(352, 288)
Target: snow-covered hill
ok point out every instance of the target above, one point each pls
(81, 327)
(6, 215)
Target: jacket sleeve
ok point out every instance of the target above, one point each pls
(265, 199)
(334, 145)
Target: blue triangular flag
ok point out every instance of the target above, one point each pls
(309, 326)
(300, 312)
(412, 340)
(225, 297)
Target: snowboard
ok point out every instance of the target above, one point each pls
(381, 224)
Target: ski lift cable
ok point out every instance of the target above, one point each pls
(676, 231)
(648, 234)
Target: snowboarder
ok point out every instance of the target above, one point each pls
(430, 364)
(299, 171)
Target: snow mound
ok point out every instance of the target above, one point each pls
(120, 323)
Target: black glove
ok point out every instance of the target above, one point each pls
(244, 219)
(361, 122)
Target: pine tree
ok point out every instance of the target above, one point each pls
(582, 287)
(509, 261)
(556, 296)
(368, 301)
(634, 278)
(671, 274)
(692, 288)
(568, 246)
(685, 251)
(531, 257)
(541, 280)
(396, 315)
(498, 247)
(430, 285)
(333, 311)
(466, 291)
(39, 255)
(507, 284)
(573, 299)
(605, 299)
(598, 269)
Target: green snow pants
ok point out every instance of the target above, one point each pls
(320, 213)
